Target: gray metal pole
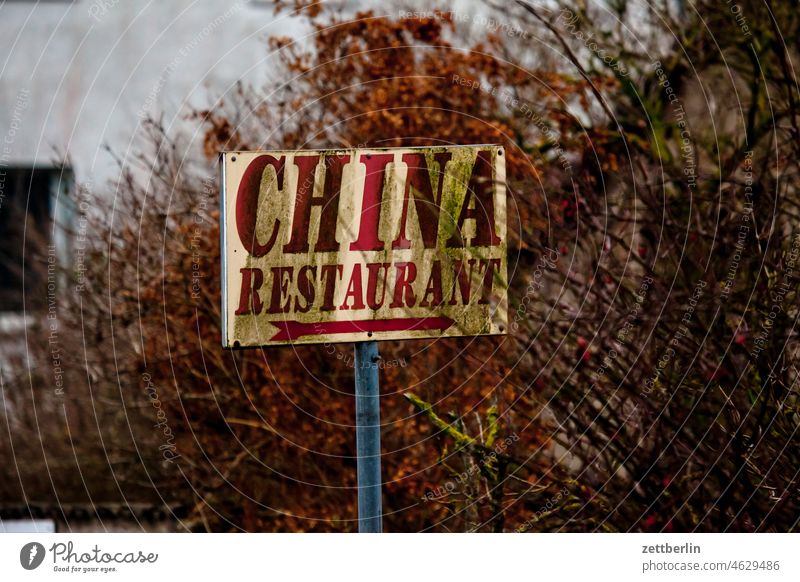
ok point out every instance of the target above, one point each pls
(368, 438)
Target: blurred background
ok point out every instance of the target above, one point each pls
(648, 381)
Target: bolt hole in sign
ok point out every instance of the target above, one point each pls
(363, 244)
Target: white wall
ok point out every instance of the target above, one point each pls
(75, 76)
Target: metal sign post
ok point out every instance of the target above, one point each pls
(368, 437)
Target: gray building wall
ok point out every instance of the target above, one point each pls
(75, 76)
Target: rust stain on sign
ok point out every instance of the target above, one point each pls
(364, 244)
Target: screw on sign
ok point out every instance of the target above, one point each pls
(363, 245)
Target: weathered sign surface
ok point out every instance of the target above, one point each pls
(364, 244)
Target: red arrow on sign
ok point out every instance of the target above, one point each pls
(290, 330)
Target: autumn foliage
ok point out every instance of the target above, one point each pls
(648, 382)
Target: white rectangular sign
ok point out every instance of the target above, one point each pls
(364, 244)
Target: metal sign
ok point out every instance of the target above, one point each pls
(363, 244)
